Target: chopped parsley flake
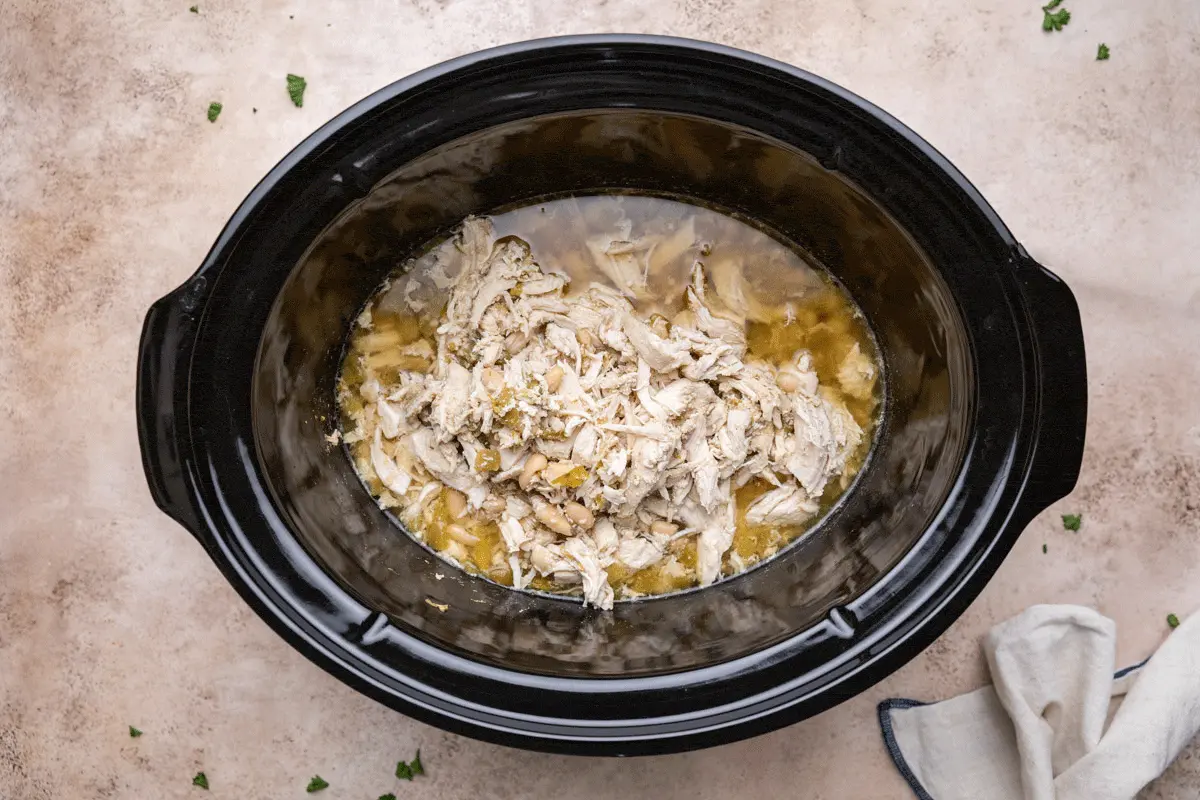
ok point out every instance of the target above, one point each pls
(134, 732)
(1172, 620)
(194, 9)
(1054, 20)
(296, 86)
(317, 784)
(214, 111)
(388, 796)
(1072, 521)
(200, 780)
(406, 770)
(1102, 52)
(1044, 548)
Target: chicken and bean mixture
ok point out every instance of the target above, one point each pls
(608, 396)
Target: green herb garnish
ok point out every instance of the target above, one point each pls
(1102, 52)
(296, 86)
(214, 111)
(388, 796)
(1044, 549)
(134, 732)
(1172, 621)
(1054, 20)
(194, 9)
(405, 770)
(1072, 521)
(200, 780)
(317, 784)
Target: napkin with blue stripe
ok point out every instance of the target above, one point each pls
(1057, 723)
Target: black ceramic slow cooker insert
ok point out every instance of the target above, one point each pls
(982, 349)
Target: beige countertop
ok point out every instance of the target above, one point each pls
(113, 185)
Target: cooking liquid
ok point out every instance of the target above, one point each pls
(797, 307)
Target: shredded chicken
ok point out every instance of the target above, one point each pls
(586, 430)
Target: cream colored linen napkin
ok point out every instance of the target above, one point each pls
(1042, 731)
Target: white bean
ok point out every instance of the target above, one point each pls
(660, 527)
(456, 503)
(493, 381)
(533, 465)
(460, 534)
(515, 342)
(579, 514)
(494, 506)
(557, 470)
(788, 381)
(553, 519)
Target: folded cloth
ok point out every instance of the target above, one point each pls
(1042, 731)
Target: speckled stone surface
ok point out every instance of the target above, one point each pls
(113, 185)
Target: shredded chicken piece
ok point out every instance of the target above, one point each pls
(786, 505)
(857, 373)
(542, 397)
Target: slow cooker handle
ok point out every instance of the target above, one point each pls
(164, 359)
(1062, 381)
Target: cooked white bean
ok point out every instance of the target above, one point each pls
(579, 514)
(557, 470)
(533, 465)
(554, 378)
(492, 379)
(460, 534)
(456, 551)
(660, 527)
(515, 342)
(787, 380)
(553, 519)
(456, 503)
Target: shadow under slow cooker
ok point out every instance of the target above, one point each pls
(919, 448)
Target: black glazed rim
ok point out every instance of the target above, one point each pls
(192, 431)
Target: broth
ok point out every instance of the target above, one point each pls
(786, 307)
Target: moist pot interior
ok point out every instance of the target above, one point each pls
(914, 463)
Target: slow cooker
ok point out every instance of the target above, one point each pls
(983, 424)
